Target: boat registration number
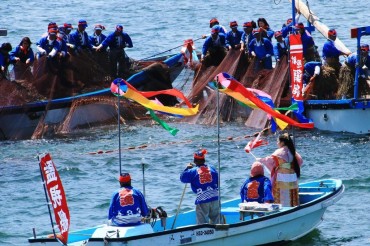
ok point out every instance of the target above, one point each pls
(205, 232)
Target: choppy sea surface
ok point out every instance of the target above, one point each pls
(90, 179)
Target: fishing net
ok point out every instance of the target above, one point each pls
(346, 83)
(64, 78)
(326, 85)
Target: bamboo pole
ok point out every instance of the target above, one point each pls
(321, 27)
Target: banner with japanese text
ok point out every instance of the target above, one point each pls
(55, 191)
(296, 66)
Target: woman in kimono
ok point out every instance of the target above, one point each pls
(284, 165)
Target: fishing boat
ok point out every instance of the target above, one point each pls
(338, 115)
(254, 225)
(63, 115)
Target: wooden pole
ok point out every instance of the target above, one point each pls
(321, 27)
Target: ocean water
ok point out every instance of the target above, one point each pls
(90, 179)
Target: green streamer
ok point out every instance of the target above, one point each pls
(171, 130)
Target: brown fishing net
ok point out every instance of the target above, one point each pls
(247, 71)
(61, 78)
(346, 84)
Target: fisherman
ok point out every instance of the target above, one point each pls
(247, 35)
(80, 38)
(214, 48)
(22, 57)
(4, 59)
(257, 187)
(128, 206)
(330, 53)
(311, 72)
(48, 46)
(204, 182)
(234, 36)
(265, 29)
(67, 35)
(63, 48)
(281, 46)
(117, 41)
(348, 72)
(262, 49)
(98, 37)
(214, 22)
(309, 48)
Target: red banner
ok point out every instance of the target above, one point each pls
(57, 197)
(296, 66)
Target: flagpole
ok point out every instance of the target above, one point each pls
(119, 128)
(218, 148)
(47, 200)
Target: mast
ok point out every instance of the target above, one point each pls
(218, 147)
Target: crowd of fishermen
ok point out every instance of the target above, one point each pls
(256, 40)
(62, 41)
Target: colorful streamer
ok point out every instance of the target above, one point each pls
(236, 90)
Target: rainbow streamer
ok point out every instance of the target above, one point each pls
(247, 96)
(122, 88)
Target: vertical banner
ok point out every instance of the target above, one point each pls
(296, 67)
(55, 191)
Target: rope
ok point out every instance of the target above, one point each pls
(145, 146)
(143, 59)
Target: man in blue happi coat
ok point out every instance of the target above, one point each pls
(128, 206)
(262, 49)
(203, 179)
(214, 48)
(117, 41)
(234, 36)
(80, 39)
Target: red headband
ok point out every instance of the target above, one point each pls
(200, 154)
(124, 177)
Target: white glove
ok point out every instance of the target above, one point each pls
(41, 50)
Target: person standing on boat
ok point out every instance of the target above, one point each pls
(308, 44)
(22, 57)
(80, 38)
(4, 59)
(285, 167)
(117, 42)
(262, 49)
(234, 36)
(257, 188)
(128, 206)
(98, 37)
(281, 46)
(330, 53)
(48, 46)
(214, 48)
(265, 29)
(214, 22)
(247, 35)
(67, 35)
(204, 182)
(312, 71)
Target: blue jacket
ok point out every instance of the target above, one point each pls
(17, 52)
(94, 39)
(204, 182)
(307, 42)
(261, 50)
(44, 43)
(127, 207)
(256, 189)
(112, 41)
(75, 39)
(210, 43)
(351, 61)
(280, 51)
(233, 39)
(329, 50)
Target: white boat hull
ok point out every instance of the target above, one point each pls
(341, 120)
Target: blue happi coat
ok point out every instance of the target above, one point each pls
(127, 207)
(204, 182)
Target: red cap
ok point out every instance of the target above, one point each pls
(247, 24)
(300, 25)
(200, 155)
(278, 34)
(119, 28)
(233, 24)
(364, 47)
(68, 25)
(288, 21)
(53, 31)
(332, 32)
(124, 178)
